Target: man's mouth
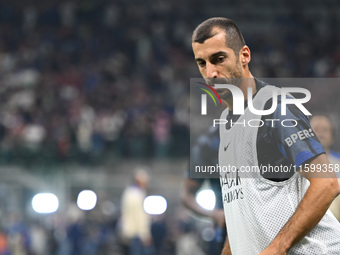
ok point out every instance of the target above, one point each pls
(214, 81)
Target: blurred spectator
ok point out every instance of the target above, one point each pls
(18, 235)
(39, 239)
(135, 222)
(205, 153)
(161, 134)
(3, 243)
(187, 241)
(159, 233)
(323, 128)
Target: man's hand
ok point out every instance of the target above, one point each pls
(322, 190)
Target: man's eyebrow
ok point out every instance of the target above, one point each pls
(213, 55)
(219, 53)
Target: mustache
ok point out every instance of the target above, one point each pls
(232, 81)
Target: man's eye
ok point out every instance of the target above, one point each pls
(220, 59)
(201, 64)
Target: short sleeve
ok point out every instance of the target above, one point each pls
(294, 136)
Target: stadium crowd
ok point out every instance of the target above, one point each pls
(86, 81)
(98, 233)
(97, 81)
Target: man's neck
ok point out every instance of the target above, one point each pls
(248, 82)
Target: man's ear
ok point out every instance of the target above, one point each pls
(245, 55)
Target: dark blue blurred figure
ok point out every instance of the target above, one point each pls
(205, 153)
(159, 233)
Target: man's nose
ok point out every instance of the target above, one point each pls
(212, 71)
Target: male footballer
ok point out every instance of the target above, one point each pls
(267, 213)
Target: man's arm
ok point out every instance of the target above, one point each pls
(323, 189)
(189, 201)
(226, 249)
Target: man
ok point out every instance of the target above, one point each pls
(135, 223)
(284, 213)
(205, 153)
(323, 128)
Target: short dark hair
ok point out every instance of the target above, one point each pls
(234, 37)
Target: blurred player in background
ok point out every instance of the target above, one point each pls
(323, 128)
(205, 153)
(281, 213)
(135, 222)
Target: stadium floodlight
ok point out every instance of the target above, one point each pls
(87, 200)
(206, 198)
(155, 205)
(45, 203)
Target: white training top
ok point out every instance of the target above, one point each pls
(256, 209)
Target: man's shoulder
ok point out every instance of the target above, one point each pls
(260, 84)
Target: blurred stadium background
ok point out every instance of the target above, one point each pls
(90, 90)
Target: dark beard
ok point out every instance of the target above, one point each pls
(233, 81)
(225, 94)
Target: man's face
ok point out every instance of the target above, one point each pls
(323, 130)
(217, 62)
